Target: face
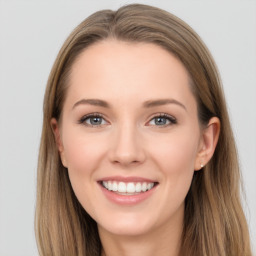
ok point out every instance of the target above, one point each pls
(129, 136)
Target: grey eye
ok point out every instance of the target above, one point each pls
(93, 120)
(162, 120)
(159, 121)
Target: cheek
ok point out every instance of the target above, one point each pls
(176, 153)
(82, 152)
(175, 157)
(83, 155)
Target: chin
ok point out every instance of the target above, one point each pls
(127, 225)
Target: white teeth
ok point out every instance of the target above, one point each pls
(114, 187)
(110, 185)
(144, 186)
(105, 184)
(149, 186)
(129, 187)
(121, 187)
(138, 187)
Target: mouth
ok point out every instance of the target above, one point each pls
(128, 188)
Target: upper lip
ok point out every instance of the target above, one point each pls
(127, 179)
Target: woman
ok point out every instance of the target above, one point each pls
(137, 154)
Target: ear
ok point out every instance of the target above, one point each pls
(58, 140)
(209, 139)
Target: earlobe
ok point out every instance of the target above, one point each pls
(56, 132)
(58, 140)
(209, 140)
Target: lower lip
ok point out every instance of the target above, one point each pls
(127, 199)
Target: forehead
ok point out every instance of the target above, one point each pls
(116, 70)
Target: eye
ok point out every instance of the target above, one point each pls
(162, 120)
(93, 120)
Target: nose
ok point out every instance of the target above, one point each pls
(127, 147)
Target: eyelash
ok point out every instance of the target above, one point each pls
(171, 119)
(93, 115)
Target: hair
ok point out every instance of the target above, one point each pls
(214, 222)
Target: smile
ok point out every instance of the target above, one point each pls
(128, 188)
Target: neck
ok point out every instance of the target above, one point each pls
(164, 240)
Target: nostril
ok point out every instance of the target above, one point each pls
(126, 158)
(126, 147)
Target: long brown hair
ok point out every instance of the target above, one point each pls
(214, 221)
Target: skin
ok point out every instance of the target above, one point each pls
(129, 142)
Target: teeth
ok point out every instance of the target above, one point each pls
(138, 187)
(105, 184)
(129, 187)
(114, 186)
(149, 186)
(121, 187)
(144, 186)
(110, 185)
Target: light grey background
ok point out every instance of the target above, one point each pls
(31, 33)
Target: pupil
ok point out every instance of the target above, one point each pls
(160, 120)
(96, 120)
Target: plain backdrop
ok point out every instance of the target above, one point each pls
(32, 32)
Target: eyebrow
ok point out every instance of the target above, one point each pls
(94, 102)
(146, 104)
(160, 102)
